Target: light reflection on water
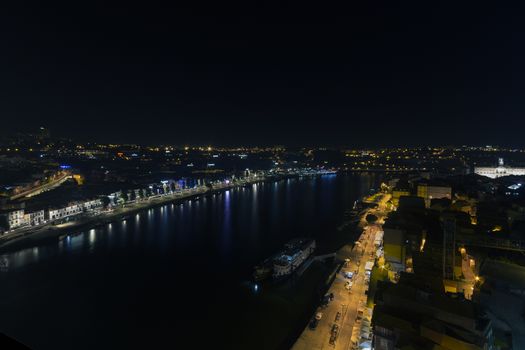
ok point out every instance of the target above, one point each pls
(128, 268)
(228, 208)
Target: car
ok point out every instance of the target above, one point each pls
(348, 274)
(332, 339)
(327, 299)
(338, 316)
(335, 329)
(313, 323)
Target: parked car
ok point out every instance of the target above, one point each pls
(348, 285)
(326, 299)
(313, 323)
(360, 314)
(348, 274)
(338, 316)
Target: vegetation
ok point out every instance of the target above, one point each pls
(371, 218)
(105, 201)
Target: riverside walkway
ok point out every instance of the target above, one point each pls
(89, 220)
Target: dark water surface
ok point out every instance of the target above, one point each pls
(179, 274)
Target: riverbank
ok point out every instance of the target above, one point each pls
(29, 236)
(128, 277)
(49, 231)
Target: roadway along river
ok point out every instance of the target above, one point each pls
(179, 273)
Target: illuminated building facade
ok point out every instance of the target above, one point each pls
(429, 192)
(499, 171)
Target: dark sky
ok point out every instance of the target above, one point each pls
(371, 73)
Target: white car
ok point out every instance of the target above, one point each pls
(348, 274)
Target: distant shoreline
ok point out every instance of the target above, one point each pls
(87, 223)
(52, 232)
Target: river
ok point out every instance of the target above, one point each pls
(179, 273)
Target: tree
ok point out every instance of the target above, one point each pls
(132, 196)
(155, 189)
(371, 218)
(172, 187)
(124, 196)
(105, 201)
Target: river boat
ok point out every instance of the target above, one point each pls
(287, 261)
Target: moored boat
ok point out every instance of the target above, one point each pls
(284, 263)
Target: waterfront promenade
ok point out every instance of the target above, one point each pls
(106, 216)
(89, 220)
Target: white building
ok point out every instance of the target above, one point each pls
(61, 213)
(15, 218)
(429, 192)
(499, 171)
(92, 205)
(35, 218)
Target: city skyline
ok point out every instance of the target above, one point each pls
(249, 175)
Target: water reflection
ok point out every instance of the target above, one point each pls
(226, 226)
(152, 259)
(290, 207)
(92, 236)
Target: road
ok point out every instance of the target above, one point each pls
(347, 302)
(42, 188)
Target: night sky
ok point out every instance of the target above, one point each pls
(368, 74)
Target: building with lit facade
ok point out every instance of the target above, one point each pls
(429, 192)
(13, 219)
(499, 171)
